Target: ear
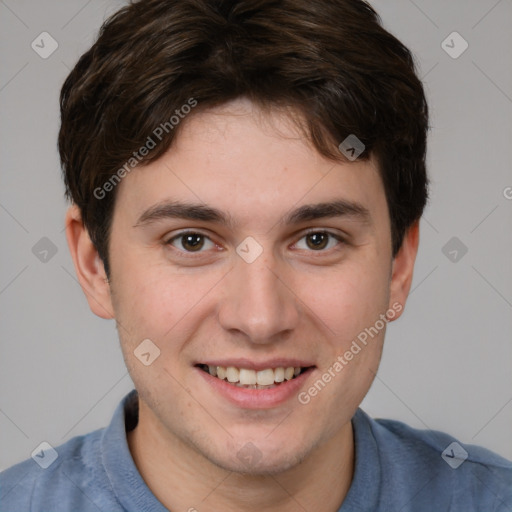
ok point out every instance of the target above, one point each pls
(88, 265)
(402, 269)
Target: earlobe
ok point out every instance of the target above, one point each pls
(403, 267)
(88, 265)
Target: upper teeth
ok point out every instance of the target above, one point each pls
(247, 377)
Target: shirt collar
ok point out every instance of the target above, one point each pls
(364, 491)
(127, 483)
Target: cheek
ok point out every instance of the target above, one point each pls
(156, 301)
(349, 300)
(148, 307)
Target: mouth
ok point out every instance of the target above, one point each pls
(248, 378)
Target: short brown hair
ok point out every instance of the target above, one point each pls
(331, 60)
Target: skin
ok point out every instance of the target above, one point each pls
(294, 300)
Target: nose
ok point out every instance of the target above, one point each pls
(259, 301)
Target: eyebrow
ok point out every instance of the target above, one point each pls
(201, 212)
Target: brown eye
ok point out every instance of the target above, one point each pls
(190, 242)
(317, 240)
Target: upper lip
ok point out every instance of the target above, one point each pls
(258, 365)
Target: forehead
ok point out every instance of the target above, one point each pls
(253, 165)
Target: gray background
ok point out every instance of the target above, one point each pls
(447, 362)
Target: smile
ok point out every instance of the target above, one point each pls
(252, 379)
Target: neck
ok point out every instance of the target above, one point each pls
(183, 479)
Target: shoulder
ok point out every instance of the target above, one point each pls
(56, 478)
(432, 466)
(440, 445)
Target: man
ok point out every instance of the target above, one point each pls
(246, 181)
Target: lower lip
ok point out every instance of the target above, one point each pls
(257, 398)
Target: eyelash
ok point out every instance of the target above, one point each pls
(192, 254)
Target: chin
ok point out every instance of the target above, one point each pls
(247, 459)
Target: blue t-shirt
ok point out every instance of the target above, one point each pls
(397, 468)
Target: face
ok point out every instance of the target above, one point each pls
(244, 252)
